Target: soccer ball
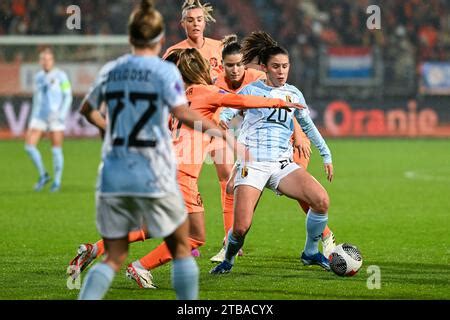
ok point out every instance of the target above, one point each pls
(345, 260)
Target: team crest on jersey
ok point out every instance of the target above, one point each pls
(289, 99)
(213, 62)
(190, 91)
(244, 172)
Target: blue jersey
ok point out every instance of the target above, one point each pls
(138, 159)
(52, 96)
(267, 131)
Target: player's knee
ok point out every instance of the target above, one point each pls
(322, 203)
(182, 249)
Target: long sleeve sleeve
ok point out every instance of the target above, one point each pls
(238, 101)
(67, 97)
(311, 131)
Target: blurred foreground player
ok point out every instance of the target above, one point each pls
(137, 185)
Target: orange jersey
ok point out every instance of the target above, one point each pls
(211, 51)
(250, 75)
(190, 145)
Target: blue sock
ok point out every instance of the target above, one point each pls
(233, 246)
(97, 282)
(185, 278)
(35, 156)
(315, 223)
(58, 164)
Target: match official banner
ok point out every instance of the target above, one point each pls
(334, 118)
(435, 78)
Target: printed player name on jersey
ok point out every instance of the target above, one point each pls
(129, 74)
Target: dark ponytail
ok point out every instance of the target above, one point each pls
(147, 5)
(230, 45)
(261, 45)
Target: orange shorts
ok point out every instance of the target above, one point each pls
(189, 189)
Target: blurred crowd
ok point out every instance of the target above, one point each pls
(412, 31)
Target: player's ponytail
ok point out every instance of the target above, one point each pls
(260, 45)
(146, 25)
(230, 45)
(193, 67)
(147, 5)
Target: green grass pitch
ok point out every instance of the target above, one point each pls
(391, 198)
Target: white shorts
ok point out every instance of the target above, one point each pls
(51, 125)
(118, 215)
(262, 175)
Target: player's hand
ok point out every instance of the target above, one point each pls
(304, 150)
(295, 105)
(329, 171)
(224, 125)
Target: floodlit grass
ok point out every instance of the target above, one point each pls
(391, 198)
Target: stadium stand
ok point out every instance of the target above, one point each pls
(412, 31)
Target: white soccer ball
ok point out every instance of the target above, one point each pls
(345, 260)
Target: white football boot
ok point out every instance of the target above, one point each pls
(219, 257)
(85, 255)
(328, 244)
(143, 277)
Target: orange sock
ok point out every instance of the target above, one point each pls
(100, 247)
(161, 255)
(305, 208)
(227, 207)
(326, 232)
(133, 236)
